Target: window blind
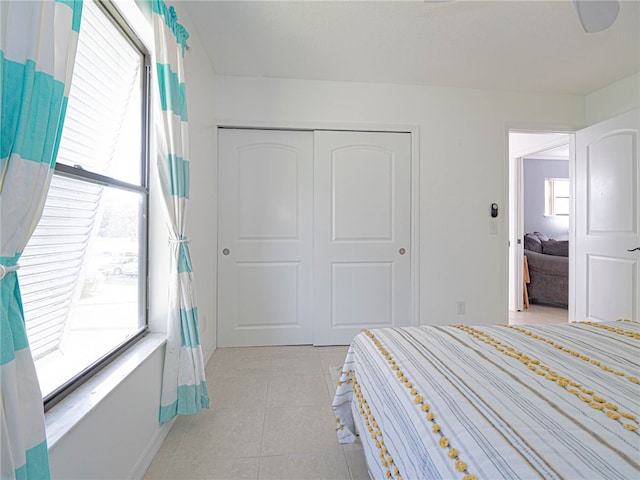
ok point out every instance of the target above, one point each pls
(55, 266)
(52, 264)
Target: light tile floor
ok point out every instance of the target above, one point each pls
(538, 315)
(271, 417)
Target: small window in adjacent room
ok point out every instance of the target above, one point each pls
(556, 195)
(83, 273)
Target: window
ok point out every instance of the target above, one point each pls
(556, 195)
(83, 273)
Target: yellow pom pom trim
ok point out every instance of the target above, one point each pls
(584, 394)
(613, 415)
(443, 442)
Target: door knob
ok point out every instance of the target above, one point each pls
(226, 251)
(402, 251)
(633, 249)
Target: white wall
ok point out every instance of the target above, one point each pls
(613, 100)
(117, 439)
(463, 168)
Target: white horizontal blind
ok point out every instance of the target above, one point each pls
(52, 263)
(55, 265)
(106, 76)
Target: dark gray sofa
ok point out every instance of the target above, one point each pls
(548, 270)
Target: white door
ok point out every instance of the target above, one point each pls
(265, 244)
(362, 233)
(607, 274)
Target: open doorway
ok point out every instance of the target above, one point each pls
(539, 226)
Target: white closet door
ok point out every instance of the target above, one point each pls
(607, 273)
(362, 204)
(265, 257)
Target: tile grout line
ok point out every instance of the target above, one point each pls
(273, 386)
(264, 420)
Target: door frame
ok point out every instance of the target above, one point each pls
(515, 175)
(412, 130)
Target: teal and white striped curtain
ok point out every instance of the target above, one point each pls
(184, 388)
(37, 54)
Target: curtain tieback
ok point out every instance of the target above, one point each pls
(179, 240)
(4, 270)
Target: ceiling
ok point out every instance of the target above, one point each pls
(549, 146)
(517, 45)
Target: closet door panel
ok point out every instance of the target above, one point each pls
(362, 204)
(265, 257)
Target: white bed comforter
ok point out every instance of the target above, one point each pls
(552, 401)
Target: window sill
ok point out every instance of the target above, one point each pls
(66, 415)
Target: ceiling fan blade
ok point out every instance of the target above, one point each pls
(596, 15)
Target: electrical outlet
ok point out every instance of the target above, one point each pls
(460, 308)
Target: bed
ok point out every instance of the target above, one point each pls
(494, 402)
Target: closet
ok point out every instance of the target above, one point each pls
(314, 231)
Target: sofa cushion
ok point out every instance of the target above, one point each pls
(549, 275)
(559, 248)
(541, 236)
(547, 264)
(532, 243)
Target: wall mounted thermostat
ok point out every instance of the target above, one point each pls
(494, 210)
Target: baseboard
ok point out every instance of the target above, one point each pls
(152, 450)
